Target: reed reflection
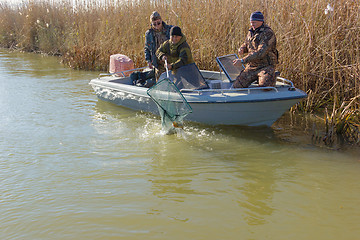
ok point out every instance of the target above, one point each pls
(236, 168)
(172, 174)
(258, 193)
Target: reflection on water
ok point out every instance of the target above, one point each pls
(310, 129)
(245, 164)
(75, 167)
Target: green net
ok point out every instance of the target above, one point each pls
(172, 105)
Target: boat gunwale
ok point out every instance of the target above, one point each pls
(143, 90)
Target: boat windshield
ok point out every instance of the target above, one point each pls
(226, 65)
(187, 77)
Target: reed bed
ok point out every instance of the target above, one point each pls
(318, 40)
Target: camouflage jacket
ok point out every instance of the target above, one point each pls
(150, 43)
(178, 54)
(260, 44)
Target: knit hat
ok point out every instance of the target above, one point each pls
(257, 16)
(175, 31)
(154, 16)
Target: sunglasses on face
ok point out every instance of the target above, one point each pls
(156, 23)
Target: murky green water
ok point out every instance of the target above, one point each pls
(73, 167)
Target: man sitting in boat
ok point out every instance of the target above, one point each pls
(262, 55)
(154, 37)
(175, 51)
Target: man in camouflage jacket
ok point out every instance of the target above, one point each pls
(176, 50)
(262, 55)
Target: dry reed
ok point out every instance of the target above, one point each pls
(318, 40)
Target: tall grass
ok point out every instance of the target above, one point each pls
(318, 40)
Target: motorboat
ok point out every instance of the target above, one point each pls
(210, 94)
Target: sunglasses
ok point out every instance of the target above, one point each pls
(156, 23)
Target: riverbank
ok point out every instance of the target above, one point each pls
(318, 42)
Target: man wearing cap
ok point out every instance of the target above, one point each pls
(262, 55)
(176, 50)
(154, 37)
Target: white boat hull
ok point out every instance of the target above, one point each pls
(254, 107)
(248, 114)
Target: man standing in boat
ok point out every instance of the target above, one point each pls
(154, 37)
(176, 50)
(262, 55)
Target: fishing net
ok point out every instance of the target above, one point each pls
(172, 105)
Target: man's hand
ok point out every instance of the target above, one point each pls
(150, 65)
(237, 62)
(168, 66)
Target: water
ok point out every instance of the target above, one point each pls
(73, 167)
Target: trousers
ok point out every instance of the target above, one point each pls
(265, 76)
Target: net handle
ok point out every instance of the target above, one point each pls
(167, 70)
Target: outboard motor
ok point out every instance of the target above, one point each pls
(120, 63)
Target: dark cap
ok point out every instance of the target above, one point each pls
(257, 16)
(175, 31)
